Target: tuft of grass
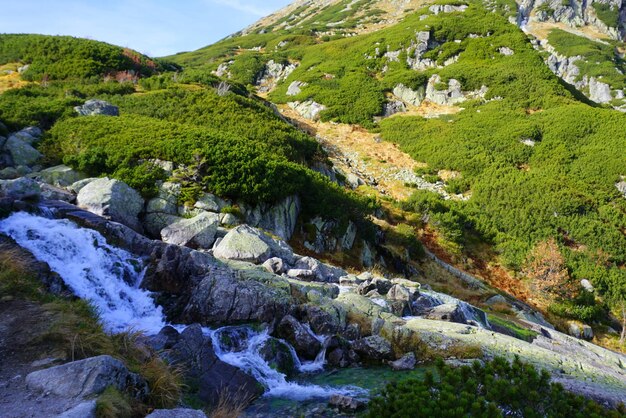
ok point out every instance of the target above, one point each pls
(113, 404)
(229, 405)
(509, 328)
(165, 382)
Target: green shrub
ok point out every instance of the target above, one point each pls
(607, 13)
(497, 389)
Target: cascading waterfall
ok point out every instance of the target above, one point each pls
(109, 278)
(106, 276)
(246, 355)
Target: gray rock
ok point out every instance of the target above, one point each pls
(76, 187)
(228, 219)
(278, 355)
(393, 107)
(97, 107)
(447, 312)
(20, 188)
(274, 265)
(273, 73)
(505, 50)
(9, 173)
(381, 285)
(399, 292)
(308, 110)
(408, 95)
(347, 241)
(60, 176)
(248, 244)
(176, 413)
(85, 378)
(85, 409)
(302, 274)
(56, 193)
(599, 92)
(155, 222)
(22, 153)
(496, 300)
(366, 258)
(280, 219)
(295, 88)
(113, 199)
(346, 403)
(577, 330)
(447, 97)
(210, 202)
(322, 272)
(296, 334)
(407, 362)
(197, 232)
(373, 347)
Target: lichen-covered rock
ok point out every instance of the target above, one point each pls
(97, 107)
(308, 110)
(210, 202)
(373, 347)
(408, 95)
(113, 199)
(21, 152)
(197, 232)
(280, 218)
(245, 243)
(278, 355)
(20, 188)
(60, 176)
(406, 362)
(88, 377)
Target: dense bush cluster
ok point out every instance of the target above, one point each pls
(496, 389)
(65, 57)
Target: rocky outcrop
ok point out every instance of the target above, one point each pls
(87, 378)
(408, 95)
(112, 199)
(273, 73)
(96, 107)
(295, 88)
(373, 347)
(308, 109)
(279, 218)
(452, 94)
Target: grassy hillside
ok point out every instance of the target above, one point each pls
(538, 161)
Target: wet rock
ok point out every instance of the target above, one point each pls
(112, 199)
(406, 362)
(194, 352)
(278, 355)
(346, 403)
(197, 232)
(296, 334)
(97, 107)
(85, 378)
(373, 347)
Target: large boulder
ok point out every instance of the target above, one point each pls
(197, 232)
(406, 362)
(88, 377)
(21, 152)
(373, 347)
(447, 312)
(97, 107)
(409, 95)
(299, 337)
(278, 355)
(21, 188)
(245, 243)
(308, 109)
(322, 272)
(112, 199)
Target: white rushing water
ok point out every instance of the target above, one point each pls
(245, 354)
(109, 278)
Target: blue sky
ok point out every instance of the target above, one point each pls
(154, 27)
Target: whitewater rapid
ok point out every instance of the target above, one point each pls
(109, 278)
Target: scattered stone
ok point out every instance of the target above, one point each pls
(406, 362)
(97, 107)
(505, 50)
(197, 232)
(346, 403)
(308, 110)
(586, 284)
(274, 265)
(373, 347)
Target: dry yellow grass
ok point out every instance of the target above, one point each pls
(9, 77)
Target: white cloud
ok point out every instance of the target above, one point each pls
(245, 7)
